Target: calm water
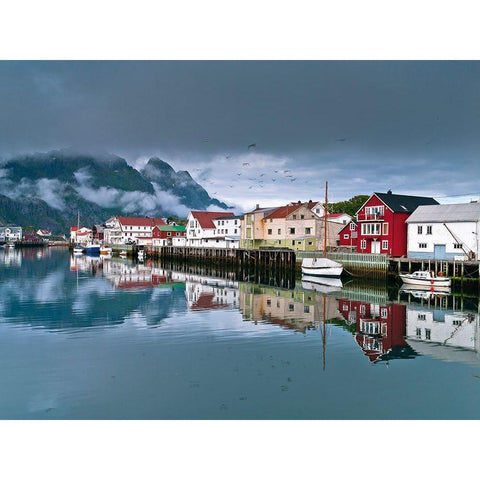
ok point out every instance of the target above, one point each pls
(105, 339)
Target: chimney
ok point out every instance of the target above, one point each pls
(389, 192)
(257, 206)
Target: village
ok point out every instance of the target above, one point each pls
(390, 225)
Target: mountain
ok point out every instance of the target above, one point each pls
(48, 190)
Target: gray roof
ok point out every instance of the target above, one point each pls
(404, 203)
(455, 212)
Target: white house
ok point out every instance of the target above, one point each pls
(229, 227)
(202, 231)
(44, 233)
(122, 230)
(342, 218)
(444, 231)
(10, 233)
(80, 235)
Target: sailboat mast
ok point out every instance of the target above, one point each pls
(325, 230)
(324, 327)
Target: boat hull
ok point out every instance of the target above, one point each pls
(332, 272)
(427, 282)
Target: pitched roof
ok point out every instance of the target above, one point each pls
(348, 225)
(336, 215)
(282, 212)
(141, 221)
(404, 203)
(456, 212)
(205, 219)
(230, 217)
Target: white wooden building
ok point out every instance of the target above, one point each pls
(202, 230)
(122, 230)
(444, 231)
(10, 233)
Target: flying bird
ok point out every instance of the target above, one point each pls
(227, 156)
(245, 164)
(286, 171)
(262, 174)
(274, 179)
(238, 174)
(293, 179)
(252, 145)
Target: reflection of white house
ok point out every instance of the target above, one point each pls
(81, 235)
(444, 231)
(204, 293)
(202, 231)
(444, 334)
(10, 233)
(121, 230)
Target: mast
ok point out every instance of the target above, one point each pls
(324, 326)
(325, 230)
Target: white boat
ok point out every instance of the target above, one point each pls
(78, 250)
(425, 279)
(105, 251)
(10, 245)
(321, 267)
(123, 254)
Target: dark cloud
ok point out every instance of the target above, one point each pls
(411, 125)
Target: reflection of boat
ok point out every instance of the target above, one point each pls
(323, 267)
(123, 254)
(10, 245)
(321, 284)
(426, 292)
(425, 279)
(77, 249)
(105, 251)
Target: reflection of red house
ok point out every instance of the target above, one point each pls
(381, 222)
(380, 329)
(206, 302)
(348, 235)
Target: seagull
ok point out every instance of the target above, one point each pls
(341, 139)
(227, 156)
(274, 179)
(262, 174)
(293, 179)
(245, 164)
(238, 174)
(249, 187)
(286, 171)
(252, 145)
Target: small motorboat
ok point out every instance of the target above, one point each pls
(424, 293)
(78, 250)
(123, 254)
(91, 248)
(105, 251)
(425, 279)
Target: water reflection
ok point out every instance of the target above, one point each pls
(104, 292)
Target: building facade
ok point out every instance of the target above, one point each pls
(348, 235)
(122, 230)
(202, 230)
(10, 233)
(445, 231)
(165, 236)
(80, 235)
(382, 224)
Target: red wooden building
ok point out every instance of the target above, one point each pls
(348, 235)
(381, 222)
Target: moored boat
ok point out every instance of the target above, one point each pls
(321, 267)
(91, 248)
(105, 251)
(425, 279)
(123, 254)
(77, 249)
(10, 245)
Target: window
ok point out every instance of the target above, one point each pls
(419, 333)
(422, 245)
(385, 228)
(370, 229)
(306, 309)
(352, 226)
(363, 244)
(421, 316)
(308, 230)
(310, 243)
(299, 243)
(271, 220)
(249, 233)
(457, 245)
(345, 307)
(269, 231)
(235, 223)
(302, 217)
(384, 244)
(429, 229)
(427, 332)
(269, 302)
(384, 313)
(279, 231)
(346, 236)
(294, 217)
(293, 242)
(169, 234)
(292, 231)
(291, 307)
(235, 231)
(419, 230)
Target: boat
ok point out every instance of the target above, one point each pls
(91, 248)
(77, 249)
(123, 254)
(105, 251)
(425, 279)
(10, 245)
(322, 267)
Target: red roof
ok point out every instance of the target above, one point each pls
(141, 221)
(335, 215)
(282, 212)
(205, 219)
(74, 229)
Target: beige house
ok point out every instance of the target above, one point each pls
(293, 226)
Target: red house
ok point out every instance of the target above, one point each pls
(348, 235)
(381, 222)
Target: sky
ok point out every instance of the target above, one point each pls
(409, 126)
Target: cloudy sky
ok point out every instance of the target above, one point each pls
(363, 126)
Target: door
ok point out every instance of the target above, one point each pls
(375, 246)
(439, 251)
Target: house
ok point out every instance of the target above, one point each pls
(202, 231)
(382, 224)
(318, 209)
(445, 231)
(121, 230)
(10, 233)
(43, 233)
(229, 227)
(98, 232)
(292, 226)
(348, 235)
(80, 235)
(165, 236)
